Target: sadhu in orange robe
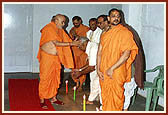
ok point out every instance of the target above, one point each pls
(50, 65)
(114, 42)
(79, 55)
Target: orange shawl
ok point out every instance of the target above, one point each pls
(114, 43)
(51, 32)
(80, 31)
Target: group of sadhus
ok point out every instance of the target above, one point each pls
(117, 50)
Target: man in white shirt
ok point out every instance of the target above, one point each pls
(94, 33)
(90, 46)
(94, 36)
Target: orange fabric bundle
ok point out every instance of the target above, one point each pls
(114, 43)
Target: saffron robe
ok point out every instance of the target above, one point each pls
(80, 31)
(114, 42)
(50, 65)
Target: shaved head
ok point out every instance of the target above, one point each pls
(59, 20)
(58, 16)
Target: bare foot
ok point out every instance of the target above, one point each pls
(125, 109)
(89, 102)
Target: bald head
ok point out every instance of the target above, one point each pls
(59, 20)
(56, 17)
(59, 16)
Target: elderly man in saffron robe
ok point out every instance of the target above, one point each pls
(54, 50)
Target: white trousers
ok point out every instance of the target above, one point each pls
(129, 92)
(95, 89)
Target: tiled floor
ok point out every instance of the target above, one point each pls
(70, 104)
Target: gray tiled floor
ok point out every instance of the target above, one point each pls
(70, 105)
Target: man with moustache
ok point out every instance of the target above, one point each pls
(117, 51)
(129, 87)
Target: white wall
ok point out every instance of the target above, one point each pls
(17, 38)
(148, 21)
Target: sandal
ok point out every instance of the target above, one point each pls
(44, 105)
(57, 102)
